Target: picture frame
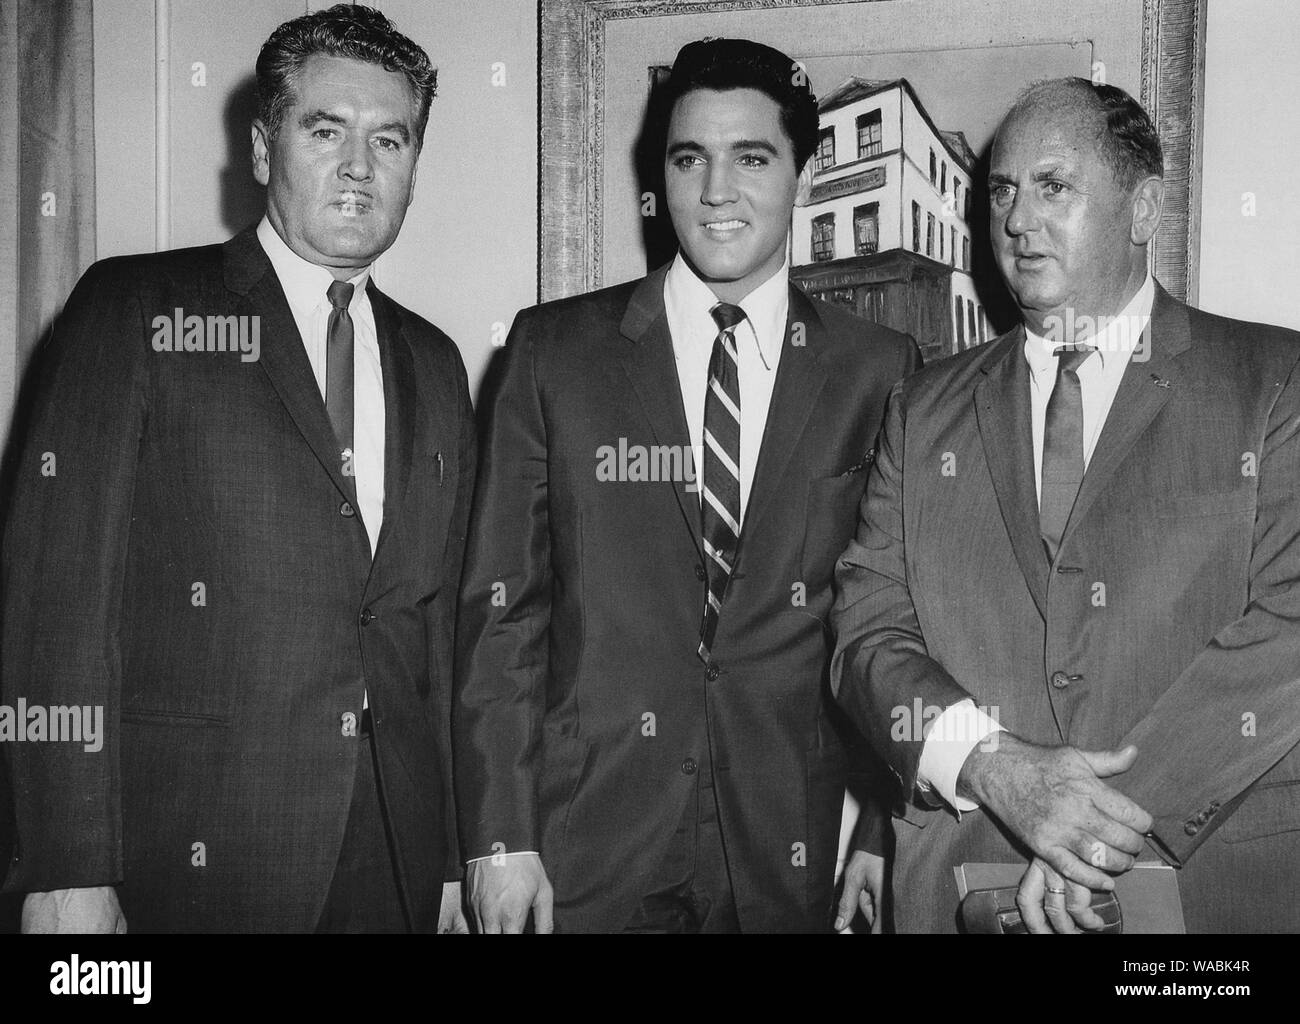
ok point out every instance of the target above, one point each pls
(594, 55)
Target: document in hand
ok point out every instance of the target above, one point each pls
(1146, 899)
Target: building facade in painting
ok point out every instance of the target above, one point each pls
(886, 230)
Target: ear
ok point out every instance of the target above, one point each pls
(1148, 204)
(415, 169)
(261, 153)
(804, 188)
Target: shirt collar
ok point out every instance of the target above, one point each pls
(1121, 336)
(305, 283)
(688, 301)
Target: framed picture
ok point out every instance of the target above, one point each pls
(910, 91)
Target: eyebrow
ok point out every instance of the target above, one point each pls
(740, 145)
(397, 128)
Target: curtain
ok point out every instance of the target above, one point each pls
(47, 147)
(47, 222)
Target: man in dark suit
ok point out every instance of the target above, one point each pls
(642, 727)
(247, 554)
(1090, 529)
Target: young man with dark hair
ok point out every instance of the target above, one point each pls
(244, 557)
(670, 467)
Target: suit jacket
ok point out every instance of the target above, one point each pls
(1168, 619)
(220, 796)
(582, 707)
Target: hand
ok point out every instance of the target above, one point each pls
(1052, 799)
(451, 915)
(1049, 903)
(863, 889)
(92, 911)
(504, 888)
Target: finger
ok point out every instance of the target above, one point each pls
(1101, 855)
(1105, 763)
(488, 916)
(848, 902)
(867, 904)
(1069, 864)
(1029, 900)
(1116, 806)
(1114, 834)
(543, 911)
(1078, 902)
(1054, 906)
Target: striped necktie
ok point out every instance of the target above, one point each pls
(720, 509)
(1062, 472)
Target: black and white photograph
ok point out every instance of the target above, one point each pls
(800, 467)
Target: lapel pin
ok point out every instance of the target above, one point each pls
(1161, 382)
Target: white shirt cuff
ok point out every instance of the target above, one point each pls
(948, 742)
(494, 856)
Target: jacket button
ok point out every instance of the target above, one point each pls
(711, 673)
(367, 617)
(1191, 828)
(689, 766)
(700, 574)
(1060, 680)
(346, 510)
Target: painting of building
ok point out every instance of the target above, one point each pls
(886, 228)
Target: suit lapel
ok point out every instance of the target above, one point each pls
(652, 369)
(1002, 412)
(397, 366)
(1143, 391)
(283, 357)
(800, 378)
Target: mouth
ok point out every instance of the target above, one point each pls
(724, 228)
(353, 203)
(1030, 260)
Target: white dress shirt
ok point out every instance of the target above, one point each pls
(759, 340)
(305, 286)
(962, 727)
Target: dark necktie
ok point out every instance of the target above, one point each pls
(338, 369)
(1062, 447)
(720, 508)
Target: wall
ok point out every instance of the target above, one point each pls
(1250, 258)
(466, 258)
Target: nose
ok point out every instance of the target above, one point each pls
(1023, 215)
(719, 185)
(356, 161)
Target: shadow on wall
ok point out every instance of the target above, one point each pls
(243, 200)
(998, 304)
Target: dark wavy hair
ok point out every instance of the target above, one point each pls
(724, 64)
(344, 30)
(1126, 136)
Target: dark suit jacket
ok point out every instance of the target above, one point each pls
(582, 704)
(224, 707)
(1170, 619)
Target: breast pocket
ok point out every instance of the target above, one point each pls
(832, 518)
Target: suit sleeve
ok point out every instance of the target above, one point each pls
(869, 777)
(505, 611)
(880, 661)
(1234, 712)
(453, 562)
(65, 543)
